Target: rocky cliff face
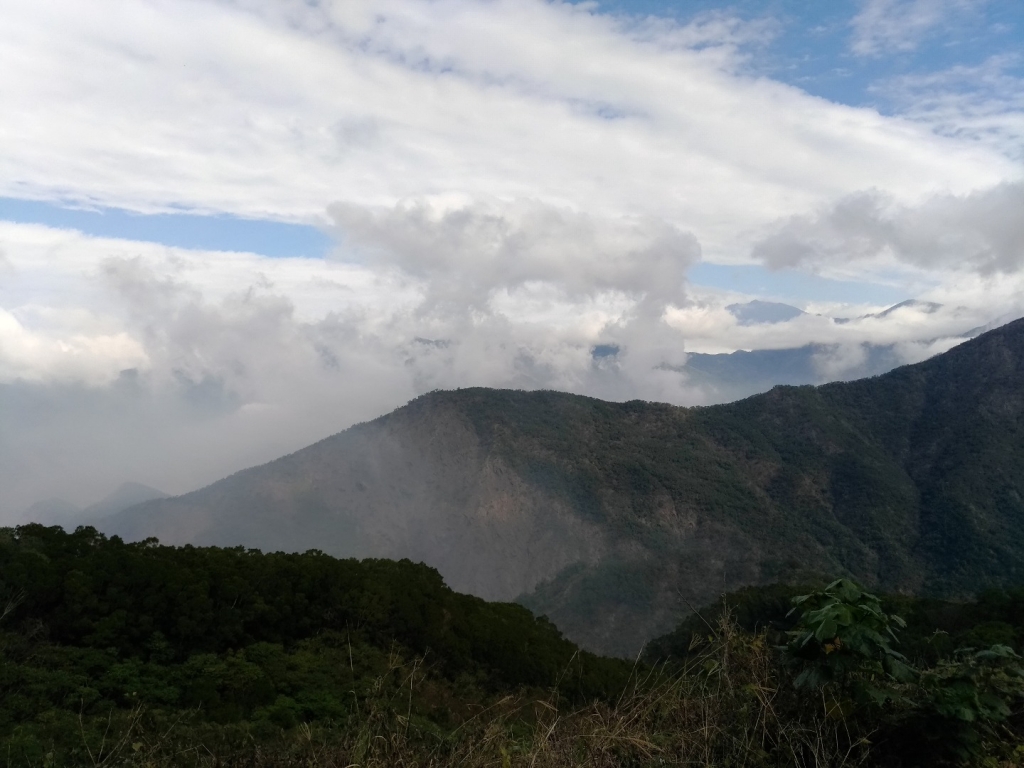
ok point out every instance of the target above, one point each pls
(615, 518)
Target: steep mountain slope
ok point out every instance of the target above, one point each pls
(417, 483)
(613, 518)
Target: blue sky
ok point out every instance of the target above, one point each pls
(811, 43)
(216, 233)
(279, 239)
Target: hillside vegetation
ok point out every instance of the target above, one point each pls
(614, 519)
(145, 655)
(93, 625)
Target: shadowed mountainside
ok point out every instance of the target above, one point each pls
(613, 518)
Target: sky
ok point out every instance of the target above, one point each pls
(229, 228)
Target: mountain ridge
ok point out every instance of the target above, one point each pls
(612, 518)
(57, 511)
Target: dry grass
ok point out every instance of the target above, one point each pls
(727, 707)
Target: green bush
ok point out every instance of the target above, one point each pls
(845, 639)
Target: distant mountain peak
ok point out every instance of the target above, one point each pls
(56, 511)
(53, 511)
(756, 312)
(126, 495)
(928, 307)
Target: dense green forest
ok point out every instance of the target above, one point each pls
(114, 653)
(93, 625)
(910, 482)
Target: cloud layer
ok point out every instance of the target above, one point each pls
(122, 360)
(271, 109)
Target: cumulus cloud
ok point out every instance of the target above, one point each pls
(466, 253)
(73, 356)
(526, 290)
(981, 232)
(223, 359)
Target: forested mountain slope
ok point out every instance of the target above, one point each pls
(613, 518)
(99, 637)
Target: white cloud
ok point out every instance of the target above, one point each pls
(71, 355)
(711, 329)
(980, 232)
(982, 103)
(886, 26)
(229, 359)
(272, 109)
(468, 252)
(122, 360)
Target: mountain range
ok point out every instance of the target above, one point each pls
(56, 511)
(724, 377)
(613, 519)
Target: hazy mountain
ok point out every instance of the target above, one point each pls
(612, 518)
(731, 376)
(927, 307)
(67, 515)
(51, 512)
(754, 312)
(735, 375)
(126, 495)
